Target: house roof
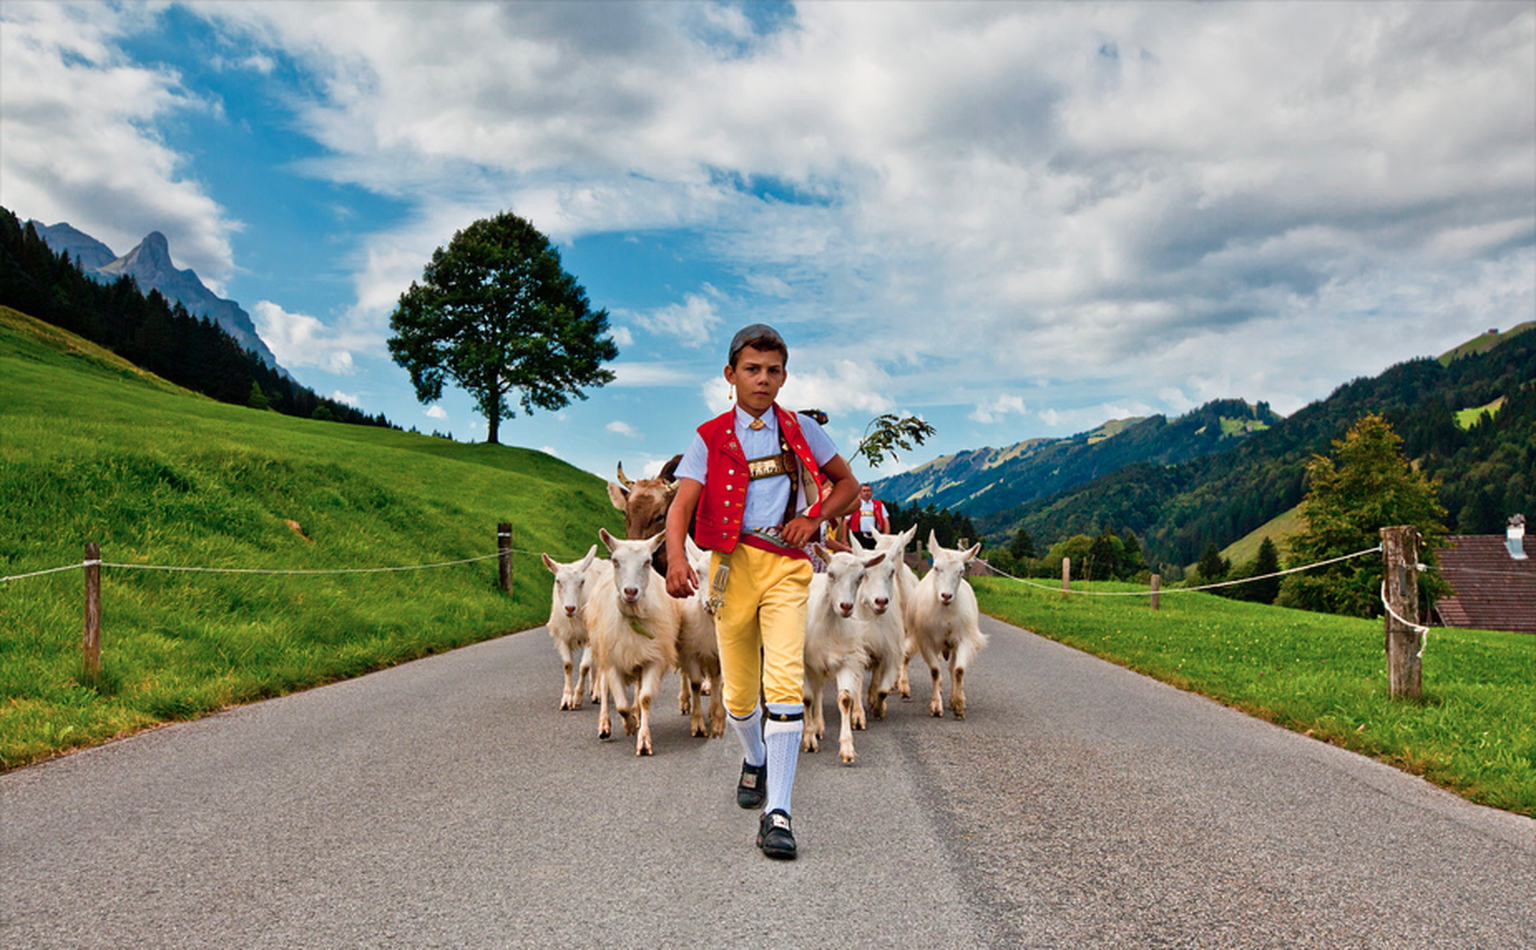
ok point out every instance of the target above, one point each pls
(1493, 590)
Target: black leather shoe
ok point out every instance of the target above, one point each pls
(752, 790)
(774, 837)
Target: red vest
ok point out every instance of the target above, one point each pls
(717, 522)
(880, 524)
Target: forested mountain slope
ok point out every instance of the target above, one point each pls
(1487, 471)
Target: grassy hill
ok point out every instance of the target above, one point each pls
(1484, 343)
(94, 450)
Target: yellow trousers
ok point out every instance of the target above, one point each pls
(761, 628)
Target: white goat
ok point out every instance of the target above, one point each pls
(834, 646)
(634, 634)
(881, 604)
(942, 622)
(574, 583)
(906, 583)
(698, 650)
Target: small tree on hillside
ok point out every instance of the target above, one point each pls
(1212, 567)
(495, 312)
(1369, 487)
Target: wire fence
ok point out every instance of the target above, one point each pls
(91, 562)
(1185, 590)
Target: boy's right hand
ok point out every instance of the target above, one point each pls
(681, 580)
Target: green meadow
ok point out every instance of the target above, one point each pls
(1473, 732)
(94, 450)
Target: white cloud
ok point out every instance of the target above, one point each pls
(78, 140)
(435, 411)
(690, 321)
(350, 399)
(618, 427)
(298, 339)
(1003, 405)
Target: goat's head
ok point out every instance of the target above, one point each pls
(948, 568)
(698, 559)
(879, 587)
(571, 580)
(845, 572)
(631, 565)
(644, 503)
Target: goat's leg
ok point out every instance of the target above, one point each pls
(964, 653)
(810, 736)
(567, 700)
(716, 712)
(936, 705)
(583, 677)
(696, 723)
(904, 685)
(684, 693)
(650, 682)
(600, 682)
(848, 683)
(619, 686)
(852, 683)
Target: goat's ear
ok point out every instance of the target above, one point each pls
(608, 539)
(907, 536)
(692, 548)
(875, 560)
(970, 552)
(549, 562)
(933, 542)
(618, 495)
(658, 541)
(821, 552)
(854, 543)
(586, 562)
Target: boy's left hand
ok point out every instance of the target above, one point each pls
(801, 531)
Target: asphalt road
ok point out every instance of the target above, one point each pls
(448, 803)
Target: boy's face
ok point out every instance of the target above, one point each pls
(757, 376)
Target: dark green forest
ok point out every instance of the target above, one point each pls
(1484, 472)
(150, 331)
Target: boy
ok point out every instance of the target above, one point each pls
(759, 482)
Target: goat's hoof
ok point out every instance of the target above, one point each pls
(847, 755)
(936, 711)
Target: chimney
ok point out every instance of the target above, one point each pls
(1514, 537)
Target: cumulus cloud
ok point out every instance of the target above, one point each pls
(1003, 405)
(618, 427)
(77, 138)
(1150, 201)
(298, 339)
(435, 411)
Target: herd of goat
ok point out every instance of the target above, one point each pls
(619, 632)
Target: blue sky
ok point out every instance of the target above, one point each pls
(1013, 220)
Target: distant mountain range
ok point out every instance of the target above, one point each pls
(149, 264)
(987, 480)
(1467, 419)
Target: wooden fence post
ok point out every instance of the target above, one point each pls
(92, 645)
(1066, 576)
(1400, 559)
(504, 548)
(1156, 582)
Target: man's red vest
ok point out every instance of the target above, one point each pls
(880, 524)
(717, 522)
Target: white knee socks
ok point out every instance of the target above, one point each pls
(781, 736)
(750, 732)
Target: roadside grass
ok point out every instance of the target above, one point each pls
(1474, 731)
(94, 450)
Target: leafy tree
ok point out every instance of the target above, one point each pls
(1369, 487)
(1267, 561)
(496, 312)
